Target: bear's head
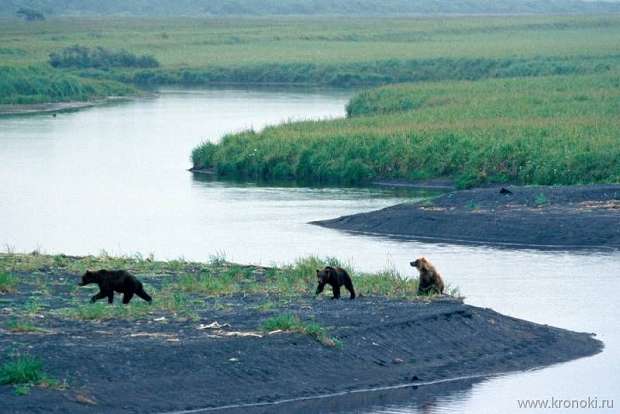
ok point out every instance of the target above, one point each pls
(88, 277)
(324, 275)
(422, 264)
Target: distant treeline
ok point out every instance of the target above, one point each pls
(83, 57)
(370, 73)
(303, 7)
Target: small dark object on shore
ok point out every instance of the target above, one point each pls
(505, 191)
(110, 281)
(430, 279)
(335, 277)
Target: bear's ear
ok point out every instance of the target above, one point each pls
(318, 271)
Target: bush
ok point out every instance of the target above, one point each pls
(30, 15)
(83, 57)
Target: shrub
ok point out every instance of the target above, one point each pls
(30, 15)
(83, 57)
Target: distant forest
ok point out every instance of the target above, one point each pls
(301, 7)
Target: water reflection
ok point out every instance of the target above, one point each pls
(422, 400)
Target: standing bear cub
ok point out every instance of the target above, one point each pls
(110, 281)
(430, 280)
(335, 277)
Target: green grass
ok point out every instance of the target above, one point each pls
(184, 278)
(545, 130)
(266, 306)
(319, 50)
(242, 42)
(167, 301)
(18, 326)
(292, 323)
(8, 282)
(188, 280)
(24, 371)
(39, 84)
(540, 200)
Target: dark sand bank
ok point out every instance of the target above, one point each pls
(544, 217)
(162, 362)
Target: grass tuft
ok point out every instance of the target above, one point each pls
(8, 282)
(22, 327)
(292, 323)
(23, 369)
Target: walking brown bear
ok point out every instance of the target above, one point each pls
(430, 280)
(335, 277)
(110, 281)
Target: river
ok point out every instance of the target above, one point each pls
(114, 178)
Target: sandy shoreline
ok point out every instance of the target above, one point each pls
(569, 217)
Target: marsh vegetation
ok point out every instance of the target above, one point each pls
(358, 51)
(543, 130)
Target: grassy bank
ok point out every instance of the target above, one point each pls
(176, 281)
(31, 85)
(318, 50)
(348, 75)
(547, 130)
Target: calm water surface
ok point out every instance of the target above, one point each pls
(114, 178)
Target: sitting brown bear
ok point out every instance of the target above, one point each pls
(335, 277)
(430, 280)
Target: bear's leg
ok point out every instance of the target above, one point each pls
(127, 297)
(98, 296)
(320, 288)
(141, 293)
(349, 286)
(336, 290)
(111, 297)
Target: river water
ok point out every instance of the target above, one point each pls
(113, 178)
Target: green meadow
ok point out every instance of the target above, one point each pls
(334, 51)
